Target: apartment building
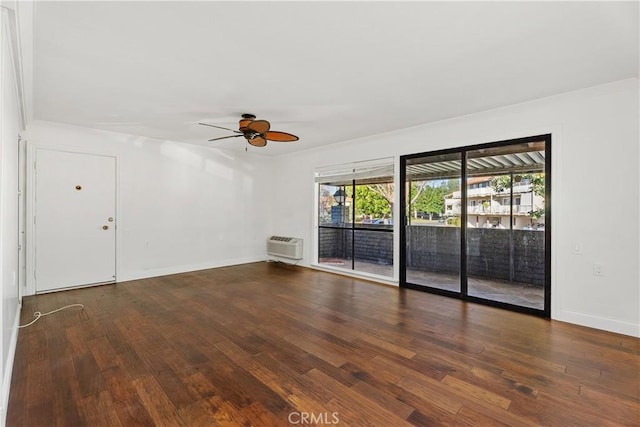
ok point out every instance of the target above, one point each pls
(488, 207)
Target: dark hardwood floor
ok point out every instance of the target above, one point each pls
(267, 344)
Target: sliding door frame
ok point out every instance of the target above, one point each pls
(463, 294)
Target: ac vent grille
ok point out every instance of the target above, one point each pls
(286, 247)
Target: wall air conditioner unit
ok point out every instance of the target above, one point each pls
(287, 247)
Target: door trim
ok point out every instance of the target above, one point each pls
(32, 148)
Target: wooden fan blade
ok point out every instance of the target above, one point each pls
(244, 123)
(258, 141)
(219, 127)
(280, 136)
(225, 137)
(260, 126)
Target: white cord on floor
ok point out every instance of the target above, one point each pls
(38, 314)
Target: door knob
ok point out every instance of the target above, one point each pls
(105, 227)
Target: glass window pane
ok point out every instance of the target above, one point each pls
(373, 230)
(325, 203)
(374, 203)
(373, 251)
(334, 218)
(505, 214)
(334, 247)
(355, 216)
(334, 204)
(433, 221)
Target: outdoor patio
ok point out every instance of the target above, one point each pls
(521, 294)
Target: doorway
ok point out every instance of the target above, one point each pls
(75, 205)
(477, 223)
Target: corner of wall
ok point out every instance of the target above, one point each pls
(8, 369)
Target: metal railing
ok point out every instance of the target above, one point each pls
(489, 191)
(488, 210)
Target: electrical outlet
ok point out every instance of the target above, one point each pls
(598, 269)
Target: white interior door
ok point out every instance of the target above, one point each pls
(75, 239)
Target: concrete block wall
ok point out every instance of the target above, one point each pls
(371, 246)
(516, 255)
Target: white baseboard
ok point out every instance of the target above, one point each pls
(8, 368)
(145, 274)
(603, 323)
(357, 274)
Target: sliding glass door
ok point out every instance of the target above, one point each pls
(477, 223)
(506, 223)
(433, 219)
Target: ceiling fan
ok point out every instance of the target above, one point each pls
(256, 132)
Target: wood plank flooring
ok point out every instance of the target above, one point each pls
(268, 344)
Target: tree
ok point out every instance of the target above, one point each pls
(385, 190)
(503, 182)
(430, 200)
(422, 196)
(370, 201)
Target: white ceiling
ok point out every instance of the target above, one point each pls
(325, 71)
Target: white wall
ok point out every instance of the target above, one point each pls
(594, 162)
(180, 207)
(9, 208)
